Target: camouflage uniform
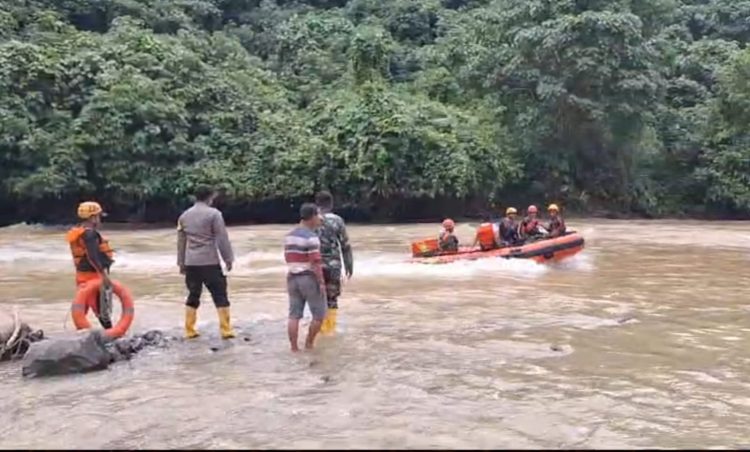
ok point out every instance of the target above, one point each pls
(334, 242)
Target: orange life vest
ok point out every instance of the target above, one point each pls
(78, 248)
(486, 236)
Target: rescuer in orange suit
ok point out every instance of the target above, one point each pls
(488, 234)
(92, 256)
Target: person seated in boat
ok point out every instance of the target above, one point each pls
(447, 237)
(530, 226)
(509, 227)
(488, 234)
(556, 225)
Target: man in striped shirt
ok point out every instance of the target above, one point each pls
(305, 282)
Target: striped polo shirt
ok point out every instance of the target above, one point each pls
(302, 252)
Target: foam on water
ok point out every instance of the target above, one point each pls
(396, 266)
(583, 261)
(32, 252)
(367, 265)
(23, 227)
(52, 253)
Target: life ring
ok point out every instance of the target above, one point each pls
(87, 297)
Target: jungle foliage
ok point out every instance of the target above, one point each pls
(637, 106)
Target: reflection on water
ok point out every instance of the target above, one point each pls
(639, 341)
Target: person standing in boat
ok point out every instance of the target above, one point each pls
(92, 256)
(556, 225)
(509, 227)
(334, 244)
(200, 233)
(529, 227)
(447, 237)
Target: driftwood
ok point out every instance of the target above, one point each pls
(16, 336)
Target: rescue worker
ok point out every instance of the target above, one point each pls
(92, 256)
(556, 225)
(488, 235)
(447, 237)
(200, 231)
(334, 244)
(529, 227)
(509, 227)
(305, 281)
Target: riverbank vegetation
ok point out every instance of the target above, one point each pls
(633, 106)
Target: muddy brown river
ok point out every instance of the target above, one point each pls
(642, 340)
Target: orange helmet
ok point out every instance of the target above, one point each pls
(449, 224)
(531, 209)
(89, 209)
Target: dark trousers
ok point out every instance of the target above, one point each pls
(210, 276)
(332, 278)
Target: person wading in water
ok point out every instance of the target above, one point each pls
(305, 282)
(334, 243)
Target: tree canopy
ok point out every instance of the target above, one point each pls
(630, 105)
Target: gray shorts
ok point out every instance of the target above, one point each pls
(305, 288)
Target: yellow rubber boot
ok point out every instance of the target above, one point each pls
(332, 316)
(224, 325)
(325, 327)
(191, 316)
(329, 323)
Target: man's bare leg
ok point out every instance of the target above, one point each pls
(292, 328)
(312, 332)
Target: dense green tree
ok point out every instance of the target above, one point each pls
(631, 105)
(727, 157)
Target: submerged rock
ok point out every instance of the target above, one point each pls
(125, 347)
(90, 352)
(66, 356)
(629, 318)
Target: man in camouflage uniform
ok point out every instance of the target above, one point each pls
(334, 243)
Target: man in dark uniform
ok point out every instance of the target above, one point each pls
(334, 243)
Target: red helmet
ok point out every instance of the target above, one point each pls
(449, 224)
(531, 209)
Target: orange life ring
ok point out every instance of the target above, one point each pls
(87, 297)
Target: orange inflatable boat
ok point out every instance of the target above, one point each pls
(543, 250)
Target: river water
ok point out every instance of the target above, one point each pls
(639, 341)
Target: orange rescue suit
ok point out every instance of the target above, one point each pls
(85, 269)
(486, 236)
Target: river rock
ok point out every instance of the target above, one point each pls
(67, 356)
(125, 347)
(88, 353)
